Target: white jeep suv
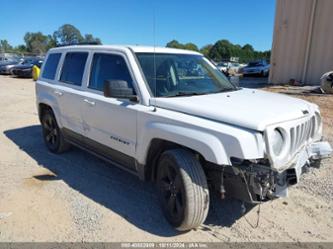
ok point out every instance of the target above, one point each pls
(169, 116)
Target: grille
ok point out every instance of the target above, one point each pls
(301, 133)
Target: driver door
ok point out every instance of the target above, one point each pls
(110, 124)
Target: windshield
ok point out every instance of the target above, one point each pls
(181, 75)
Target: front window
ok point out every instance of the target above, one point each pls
(108, 67)
(171, 75)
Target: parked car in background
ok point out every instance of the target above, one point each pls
(6, 66)
(229, 68)
(234, 67)
(223, 66)
(25, 68)
(241, 67)
(260, 67)
(6, 57)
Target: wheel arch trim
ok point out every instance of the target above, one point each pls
(206, 144)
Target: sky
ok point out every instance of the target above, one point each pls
(132, 21)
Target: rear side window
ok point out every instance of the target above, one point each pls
(108, 67)
(51, 66)
(73, 68)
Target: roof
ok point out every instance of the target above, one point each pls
(146, 49)
(136, 49)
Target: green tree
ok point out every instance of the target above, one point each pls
(52, 42)
(174, 44)
(37, 42)
(187, 46)
(5, 46)
(191, 46)
(221, 50)
(20, 49)
(68, 34)
(89, 38)
(248, 47)
(206, 49)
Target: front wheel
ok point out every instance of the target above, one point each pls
(183, 190)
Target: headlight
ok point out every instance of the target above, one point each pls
(277, 141)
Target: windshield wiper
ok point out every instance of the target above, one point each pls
(227, 90)
(184, 94)
(181, 94)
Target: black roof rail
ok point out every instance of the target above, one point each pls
(78, 44)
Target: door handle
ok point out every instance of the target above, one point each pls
(92, 103)
(58, 93)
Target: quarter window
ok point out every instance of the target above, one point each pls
(108, 67)
(73, 68)
(51, 66)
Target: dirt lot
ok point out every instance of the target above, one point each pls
(77, 197)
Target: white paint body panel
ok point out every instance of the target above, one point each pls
(253, 109)
(218, 126)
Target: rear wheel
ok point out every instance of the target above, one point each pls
(183, 190)
(52, 135)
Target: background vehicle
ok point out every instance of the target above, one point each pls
(156, 112)
(260, 67)
(223, 66)
(24, 69)
(229, 68)
(234, 68)
(5, 57)
(5, 67)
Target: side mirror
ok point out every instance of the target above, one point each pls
(119, 89)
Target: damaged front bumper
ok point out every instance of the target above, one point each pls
(305, 159)
(255, 182)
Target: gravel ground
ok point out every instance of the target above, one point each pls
(77, 197)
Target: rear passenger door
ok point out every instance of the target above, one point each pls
(110, 123)
(69, 93)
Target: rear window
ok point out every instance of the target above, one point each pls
(51, 66)
(73, 68)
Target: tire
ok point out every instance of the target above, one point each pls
(183, 190)
(53, 138)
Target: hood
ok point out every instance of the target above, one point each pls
(248, 108)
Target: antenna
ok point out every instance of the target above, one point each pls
(154, 38)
